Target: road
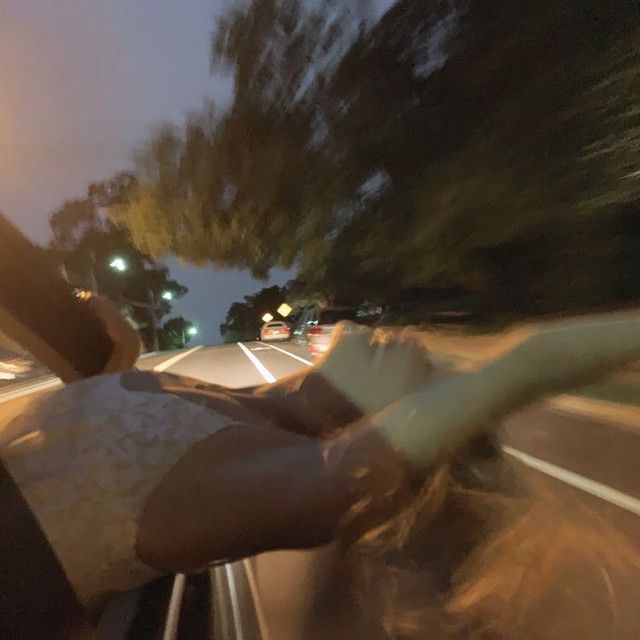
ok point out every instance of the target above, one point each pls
(591, 462)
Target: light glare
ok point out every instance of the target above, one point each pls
(119, 264)
(284, 309)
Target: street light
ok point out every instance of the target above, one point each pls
(189, 331)
(284, 309)
(119, 264)
(267, 317)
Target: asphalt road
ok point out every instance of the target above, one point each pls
(586, 462)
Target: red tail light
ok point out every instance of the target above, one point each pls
(314, 331)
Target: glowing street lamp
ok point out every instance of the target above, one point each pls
(190, 331)
(267, 317)
(118, 264)
(284, 309)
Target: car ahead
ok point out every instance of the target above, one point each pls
(319, 325)
(275, 330)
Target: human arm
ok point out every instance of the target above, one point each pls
(363, 371)
(297, 490)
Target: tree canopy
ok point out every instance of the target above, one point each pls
(85, 243)
(175, 333)
(486, 145)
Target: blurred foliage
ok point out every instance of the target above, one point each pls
(115, 191)
(85, 242)
(489, 147)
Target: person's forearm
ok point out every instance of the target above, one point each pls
(430, 423)
(305, 403)
(253, 489)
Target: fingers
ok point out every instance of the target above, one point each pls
(405, 347)
(373, 368)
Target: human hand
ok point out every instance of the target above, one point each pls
(126, 340)
(557, 357)
(363, 371)
(374, 368)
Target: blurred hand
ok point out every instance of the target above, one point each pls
(126, 340)
(374, 368)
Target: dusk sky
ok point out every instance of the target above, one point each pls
(82, 83)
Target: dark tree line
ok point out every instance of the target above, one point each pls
(244, 319)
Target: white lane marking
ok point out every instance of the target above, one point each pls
(163, 366)
(291, 355)
(175, 605)
(33, 388)
(49, 382)
(264, 372)
(235, 602)
(597, 489)
(149, 354)
(257, 602)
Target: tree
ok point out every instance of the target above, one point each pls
(481, 133)
(84, 243)
(453, 145)
(141, 290)
(175, 333)
(116, 190)
(237, 192)
(244, 319)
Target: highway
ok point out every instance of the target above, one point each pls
(593, 462)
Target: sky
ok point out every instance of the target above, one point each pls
(82, 83)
